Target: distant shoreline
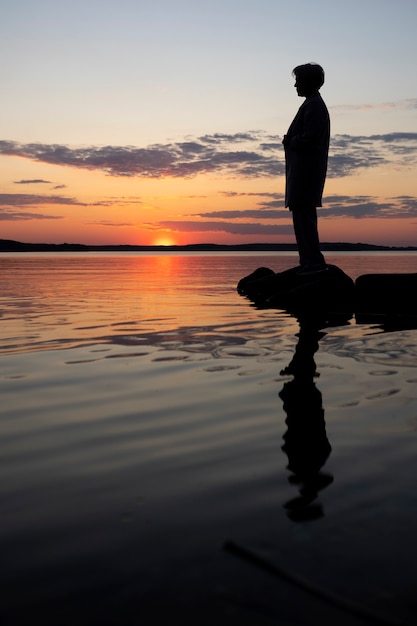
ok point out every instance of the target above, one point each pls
(7, 245)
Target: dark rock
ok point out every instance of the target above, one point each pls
(331, 290)
(386, 294)
(244, 285)
(329, 296)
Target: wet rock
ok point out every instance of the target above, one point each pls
(386, 294)
(330, 290)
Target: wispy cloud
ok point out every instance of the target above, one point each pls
(19, 216)
(398, 207)
(262, 214)
(243, 155)
(234, 228)
(26, 199)
(112, 224)
(38, 181)
(267, 207)
(399, 105)
(33, 181)
(12, 205)
(258, 194)
(336, 206)
(351, 153)
(240, 221)
(238, 154)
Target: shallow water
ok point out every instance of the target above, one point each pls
(145, 408)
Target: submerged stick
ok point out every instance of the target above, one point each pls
(330, 597)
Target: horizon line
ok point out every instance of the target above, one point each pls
(9, 245)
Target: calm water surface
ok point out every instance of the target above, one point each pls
(147, 417)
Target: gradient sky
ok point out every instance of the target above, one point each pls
(157, 121)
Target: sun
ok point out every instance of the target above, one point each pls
(164, 240)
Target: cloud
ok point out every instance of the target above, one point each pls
(12, 203)
(19, 216)
(336, 206)
(397, 207)
(112, 224)
(245, 194)
(33, 181)
(241, 155)
(24, 199)
(399, 105)
(211, 153)
(349, 154)
(248, 214)
(227, 227)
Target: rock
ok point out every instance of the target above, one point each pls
(331, 291)
(244, 285)
(387, 299)
(386, 294)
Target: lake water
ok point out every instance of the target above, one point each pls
(147, 418)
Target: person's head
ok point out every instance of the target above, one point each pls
(308, 78)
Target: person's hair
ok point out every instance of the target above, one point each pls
(310, 73)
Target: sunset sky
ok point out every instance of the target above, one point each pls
(161, 121)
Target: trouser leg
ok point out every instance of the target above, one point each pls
(307, 237)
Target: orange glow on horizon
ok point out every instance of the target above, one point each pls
(164, 240)
(68, 205)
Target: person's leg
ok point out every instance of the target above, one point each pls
(307, 237)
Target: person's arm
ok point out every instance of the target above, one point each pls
(314, 126)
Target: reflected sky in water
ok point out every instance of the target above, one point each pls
(149, 414)
(50, 301)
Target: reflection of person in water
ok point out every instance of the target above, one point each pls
(305, 442)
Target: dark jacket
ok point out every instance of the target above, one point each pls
(306, 146)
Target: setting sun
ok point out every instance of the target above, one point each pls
(164, 240)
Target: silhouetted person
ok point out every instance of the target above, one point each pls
(306, 146)
(305, 442)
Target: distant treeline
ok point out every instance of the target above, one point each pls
(7, 245)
